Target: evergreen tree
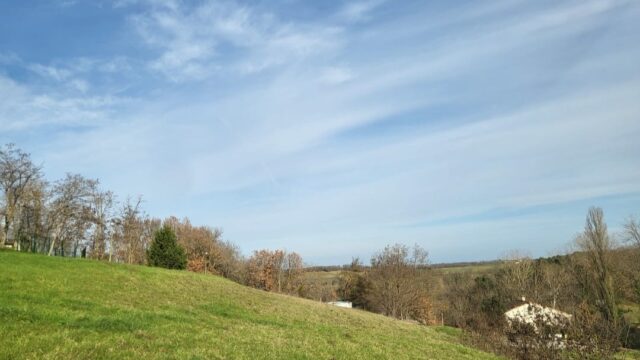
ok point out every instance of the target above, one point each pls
(165, 251)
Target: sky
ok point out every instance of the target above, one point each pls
(335, 128)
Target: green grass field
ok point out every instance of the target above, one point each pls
(475, 269)
(60, 308)
(330, 277)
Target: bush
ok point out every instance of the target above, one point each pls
(165, 251)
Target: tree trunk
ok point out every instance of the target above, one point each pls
(53, 243)
(6, 230)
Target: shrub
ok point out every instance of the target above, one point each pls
(196, 265)
(165, 251)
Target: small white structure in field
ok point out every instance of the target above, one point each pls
(530, 313)
(342, 304)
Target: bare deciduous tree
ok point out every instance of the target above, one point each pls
(597, 323)
(132, 233)
(17, 171)
(292, 269)
(69, 213)
(102, 204)
(274, 270)
(632, 232)
(29, 220)
(555, 280)
(596, 244)
(519, 270)
(397, 286)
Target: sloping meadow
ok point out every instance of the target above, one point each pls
(54, 308)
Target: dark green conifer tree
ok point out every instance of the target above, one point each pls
(165, 251)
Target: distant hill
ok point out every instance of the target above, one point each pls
(62, 308)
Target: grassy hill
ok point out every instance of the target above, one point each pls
(60, 308)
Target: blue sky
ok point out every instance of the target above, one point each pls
(333, 128)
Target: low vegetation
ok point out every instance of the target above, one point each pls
(62, 308)
(597, 285)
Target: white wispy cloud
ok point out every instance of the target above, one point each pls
(336, 75)
(355, 127)
(23, 108)
(358, 10)
(57, 74)
(190, 39)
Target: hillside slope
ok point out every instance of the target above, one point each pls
(75, 308)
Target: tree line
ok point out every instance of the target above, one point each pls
(76, 217)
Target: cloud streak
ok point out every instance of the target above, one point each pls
(195, 42)
(463, 129)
